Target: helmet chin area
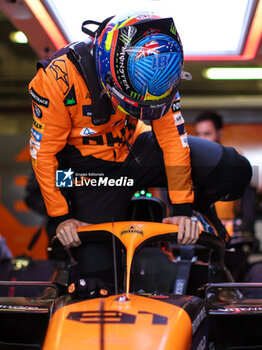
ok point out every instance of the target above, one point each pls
(143, 113)
(144, 110)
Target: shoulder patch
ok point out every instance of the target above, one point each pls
(70, 99)
(42, 101)
(59, 71)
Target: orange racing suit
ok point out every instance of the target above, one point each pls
(62, 114)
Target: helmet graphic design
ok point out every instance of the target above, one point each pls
(153, 71)
(150, 47)
(139, 61)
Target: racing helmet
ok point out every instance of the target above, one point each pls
(139, 62)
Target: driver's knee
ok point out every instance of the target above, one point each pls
(229, 179)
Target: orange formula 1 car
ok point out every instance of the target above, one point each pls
(158, 307)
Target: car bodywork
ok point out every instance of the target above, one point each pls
(217, 316)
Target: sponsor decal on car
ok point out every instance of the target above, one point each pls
(38, 125)
(59, 71)
(38, 99)
(197, 321)
(37, 135)
(240, 309)
(202, 344)
(37, 111)
(19, 307)
(131, 229)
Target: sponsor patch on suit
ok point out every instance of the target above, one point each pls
(87, 111)
(181, 129)
(38, 125)
(184, 140)
(178, 119)
(40, 100)
(37, 111)
(70, 99)
(176, 106)
(34, 143)
(87, 132)
(37, 135)
(33, 152)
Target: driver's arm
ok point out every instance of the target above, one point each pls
(172, 138)
(50, 129)
(67, 234)
(188, 230)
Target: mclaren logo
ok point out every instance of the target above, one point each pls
(132, 229)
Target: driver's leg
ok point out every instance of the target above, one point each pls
(226, 179)
(218, 172)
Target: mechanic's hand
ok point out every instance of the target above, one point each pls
(188, 230)
(67, 234)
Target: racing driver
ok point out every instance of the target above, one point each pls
(89, 103)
